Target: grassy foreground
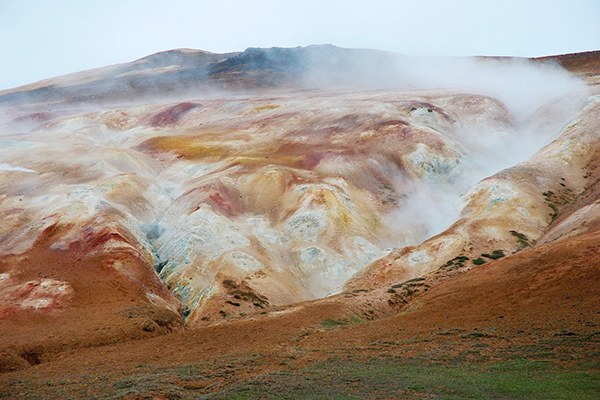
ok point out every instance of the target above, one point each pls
(334, 378)
(394, 378)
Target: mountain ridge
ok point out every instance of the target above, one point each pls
(207, 71)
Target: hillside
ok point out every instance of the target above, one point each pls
(300, 204)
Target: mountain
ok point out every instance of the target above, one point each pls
(183, 71)
(189, 193)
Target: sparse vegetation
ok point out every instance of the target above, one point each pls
(542, 369)
(419, 279)
(337, 323)
(456, 262)
(555, 201)
(479, 261)
(154, 319)
(242, 292)
(496, 254)
(417, 378)
(521, 238)
(410, 287)
(476, 335)
(331, 323)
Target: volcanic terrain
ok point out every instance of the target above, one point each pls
(302, 222)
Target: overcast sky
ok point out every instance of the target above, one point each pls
(41, 39)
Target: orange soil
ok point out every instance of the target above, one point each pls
(541, 292)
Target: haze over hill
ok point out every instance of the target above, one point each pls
(196, 188)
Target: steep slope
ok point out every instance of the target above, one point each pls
(548, 197)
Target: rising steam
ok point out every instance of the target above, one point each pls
(484, 115)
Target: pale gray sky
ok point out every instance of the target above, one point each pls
(41, 39)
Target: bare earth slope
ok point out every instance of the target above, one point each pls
(540, 304)
(288, 204)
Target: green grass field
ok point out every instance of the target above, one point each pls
(387, 377)
(394, 378)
